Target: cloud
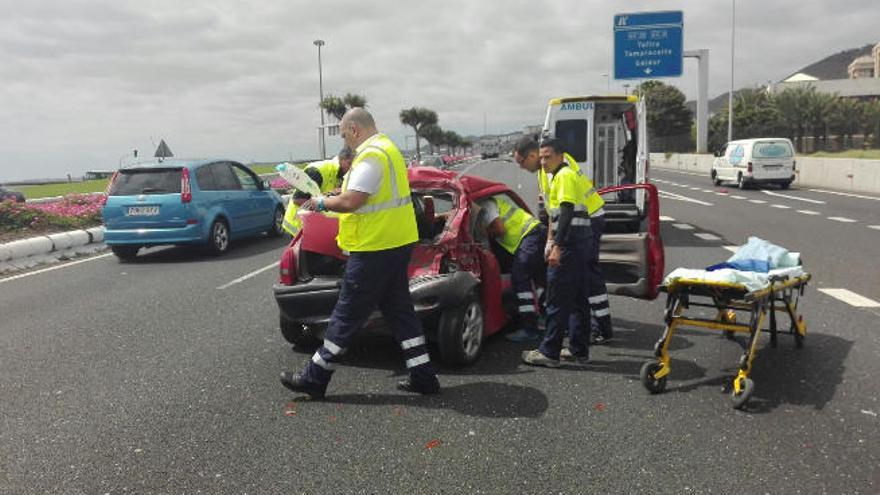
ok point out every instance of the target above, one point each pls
(87, 81)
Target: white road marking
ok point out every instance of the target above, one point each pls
(757, 201)
(732, 249)
(684, 198)
(781, 207)
(683, 226)
(706, 191)
(693, 188)
(875, 198)
(707, 236)
(56, 267)
(808, 212)
(721, 193)
(737, 197)
(666, 219)
(875, 227)
(842, 219)
(851, 298)
(249, 275)
(816, 201)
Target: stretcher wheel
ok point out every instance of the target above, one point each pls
(654, 385)
(746, 388)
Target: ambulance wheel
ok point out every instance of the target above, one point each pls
(297, 335)
(746, 388)
(276, 230)
(654, 385)
(460, 332)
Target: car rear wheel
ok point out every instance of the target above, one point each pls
(125, 253)
(715, 180)
(740, 181)
(219, 238)
(296, 334)
(460, 332)
(277, 221)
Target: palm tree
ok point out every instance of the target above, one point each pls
(336, 106)
(792, 104)
(418, 118)
(871, 121)
(433, 133)
(817, 112)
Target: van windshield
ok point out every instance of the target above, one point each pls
(136, 181)
(772, 149)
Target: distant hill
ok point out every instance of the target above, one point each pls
(834, 66)
(830, 67)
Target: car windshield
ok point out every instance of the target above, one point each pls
(772, 149)
(135, 181)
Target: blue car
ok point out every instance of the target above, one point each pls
(207, 202)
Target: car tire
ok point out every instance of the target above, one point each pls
(296, 334)
(715, 180)
(741, 182)
(125, 253)
(276, 230)
(218, 237)
(460, 331)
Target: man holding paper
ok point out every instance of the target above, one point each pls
(327, 176)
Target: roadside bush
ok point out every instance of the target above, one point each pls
(74, 211)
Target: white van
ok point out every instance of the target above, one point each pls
(607, 135)
(755, 161)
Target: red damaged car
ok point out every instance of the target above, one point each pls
(459, 283)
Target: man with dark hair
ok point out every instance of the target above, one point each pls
(568, 255)
(328, 175)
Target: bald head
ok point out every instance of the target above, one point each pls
(357, 125)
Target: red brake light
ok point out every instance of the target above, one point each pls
(750, 166)
(185, 192)
(287, 267)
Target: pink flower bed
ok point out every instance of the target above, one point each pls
(72, 205)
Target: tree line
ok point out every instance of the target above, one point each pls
(796, 113)
(422, 120)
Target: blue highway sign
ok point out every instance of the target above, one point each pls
(648, 45)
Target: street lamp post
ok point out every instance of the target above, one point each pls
(319, 44)
(730, 95)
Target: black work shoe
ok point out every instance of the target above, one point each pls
(295, 382)
(424, 387)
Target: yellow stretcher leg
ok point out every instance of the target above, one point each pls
(743, 386)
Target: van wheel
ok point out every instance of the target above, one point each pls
(785, 185)
(218, 241)
(460, 332)
(276, 230)
(740, 181)
(715, 180)
(125, 253)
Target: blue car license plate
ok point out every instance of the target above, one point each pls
(143, 211)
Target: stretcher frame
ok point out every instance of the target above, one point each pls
(781, 295)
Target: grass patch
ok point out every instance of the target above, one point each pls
(870, 154)
(63, 188)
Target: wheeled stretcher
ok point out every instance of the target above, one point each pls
(781, 292)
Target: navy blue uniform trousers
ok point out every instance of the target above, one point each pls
(567, 290)
(373, 279)
(528, 265)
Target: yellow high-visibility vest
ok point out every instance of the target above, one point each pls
(595, 203)
(517, 223)
(568, 185)
(388, 219)
(329, 170)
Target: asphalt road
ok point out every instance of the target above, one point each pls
(150, 378)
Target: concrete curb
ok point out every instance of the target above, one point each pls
(26, 253)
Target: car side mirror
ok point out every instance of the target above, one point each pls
(429, 211)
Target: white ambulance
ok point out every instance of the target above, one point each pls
(608, 137)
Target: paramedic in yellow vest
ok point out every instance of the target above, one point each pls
(526, 155)
(377, 226)
(328, 175)
(568, 254)
(523, 236)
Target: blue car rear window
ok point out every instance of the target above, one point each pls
(146, 181)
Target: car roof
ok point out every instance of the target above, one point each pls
(471, 185)
(176, 163)
(755, 140)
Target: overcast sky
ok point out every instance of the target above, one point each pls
(86, 82)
